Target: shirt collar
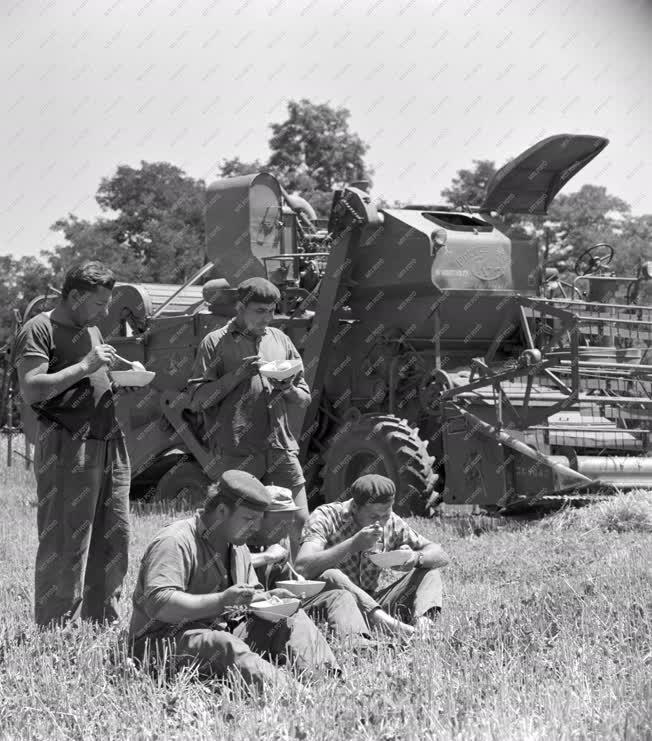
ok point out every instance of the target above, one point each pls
(200, 525)
(202, 529)
(204, 534)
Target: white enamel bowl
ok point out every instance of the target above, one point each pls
(279, 370)
(390, 559)
(273, 610)
(302, 589)
(132, 377)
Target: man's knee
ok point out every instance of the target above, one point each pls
(335, 577)
(218, 652)
(215, 648)
(433, 576)
(430, 587)
(341, 598)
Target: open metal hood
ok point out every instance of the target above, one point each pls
(528, 183)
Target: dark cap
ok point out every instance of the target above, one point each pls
(258, 289)
(243, 489)
(372, 489)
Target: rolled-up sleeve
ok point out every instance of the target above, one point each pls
(166, 568)
(33, 341)
(318, 528)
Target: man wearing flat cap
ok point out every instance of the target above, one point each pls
(272, 559)
(246, 415)
(339, 536)
(195, 584)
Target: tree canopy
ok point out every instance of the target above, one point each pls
(314, 149)
(312, 153)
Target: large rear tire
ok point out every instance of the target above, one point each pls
(185, 484)
(386, 445)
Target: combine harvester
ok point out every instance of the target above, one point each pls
(423, 344)
(616, 349)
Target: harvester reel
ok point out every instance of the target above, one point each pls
(387, 445)
(591, 261)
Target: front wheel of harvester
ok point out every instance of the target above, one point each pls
(185, 485)
(386, 445)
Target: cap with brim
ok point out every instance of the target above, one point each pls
(245, 490)
(282, 500)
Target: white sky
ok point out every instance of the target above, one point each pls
(90, 84)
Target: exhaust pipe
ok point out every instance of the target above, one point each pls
(620, 471)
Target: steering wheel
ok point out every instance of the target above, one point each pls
(588, 262)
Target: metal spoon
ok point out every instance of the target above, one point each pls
(296, 573)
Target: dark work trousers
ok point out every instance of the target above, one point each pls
(246, 648)
(83, 526)
(335, 606)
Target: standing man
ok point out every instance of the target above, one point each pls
(335, 543)
(80, 459)
(245, 415)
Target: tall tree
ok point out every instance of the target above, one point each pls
(313, 152)
(235, 166)
(151, 228)
(21, 280)
(469, 185)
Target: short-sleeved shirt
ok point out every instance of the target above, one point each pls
(182, 558)
(333, 523)
(247, 420)
(85, 409)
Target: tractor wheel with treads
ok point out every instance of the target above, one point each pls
(387, 445)
(185, 482)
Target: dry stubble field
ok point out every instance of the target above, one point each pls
(545, 635)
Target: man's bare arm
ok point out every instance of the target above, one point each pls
(178, 606)
(314, 558)
(275, 553)
(37, 385)
(297, 395)
(434, 556)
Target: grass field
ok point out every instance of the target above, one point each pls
(545, 635)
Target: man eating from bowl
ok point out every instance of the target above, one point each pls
(338, 540)
(245, 414)
(196, 585)
(81, 462)
(272, 560)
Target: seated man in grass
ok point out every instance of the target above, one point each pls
(271, 558)
(335, 544)
(195, 583)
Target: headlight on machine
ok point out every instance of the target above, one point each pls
(438, 237)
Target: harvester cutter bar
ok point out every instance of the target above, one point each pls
(574, 500)
(593, 306)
